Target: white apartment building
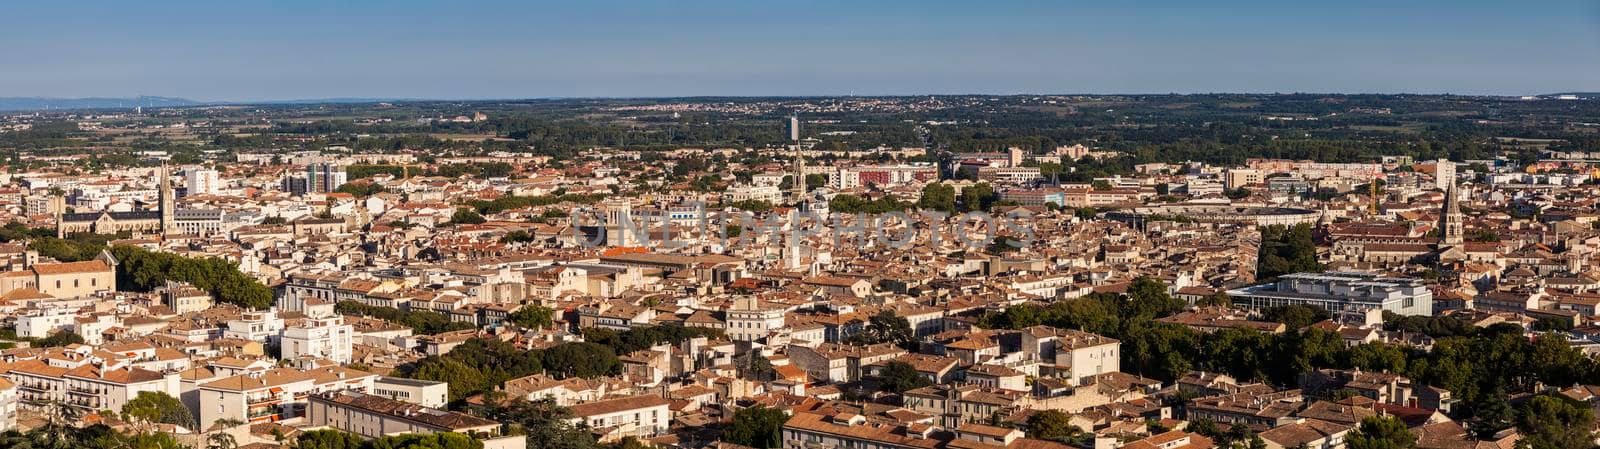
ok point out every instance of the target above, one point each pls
(81, 380)
(373, 416)
(1444, 174)
(201, 222)
(41, 323)
(276, 394)
(201, 181)
(8, 405)
(1081, 355)
(752, 319)
(770, 194)
(256, 325)
(634, 416)
(426, 393)
(329, 338)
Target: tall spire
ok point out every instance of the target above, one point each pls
(165, 202)
(799, 184)
(1451, 230)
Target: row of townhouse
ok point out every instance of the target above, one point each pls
(81, 379)
(267, 394)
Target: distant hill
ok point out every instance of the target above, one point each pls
(1578, 94)
(42, 103)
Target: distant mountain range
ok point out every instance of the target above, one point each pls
(47, 103)
(13, 104)
(43, 103)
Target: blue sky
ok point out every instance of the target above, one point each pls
(295, 50)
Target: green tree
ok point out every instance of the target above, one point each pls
(759, 366)
(1055, 425)
(464, 380)
(142, 270)
(898, 377)
(466, 216)
(978, 197)
(1295, 316)
(885, 327)
(532, 316)
(816, 180)
(1492, 414)
(758, 427)
(157, 407)
(434, 440)
(1286, 250)
(938, 197)
(1220, 298)
(1378, 357)
(58, 339)
(327, 439)
(545, 424)
(1553, 421)
(360, 189)
(1148, 298)
(752, 205)
(1381, 433)
(218, 438)
(581, 359)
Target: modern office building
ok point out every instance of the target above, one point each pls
(201, 181)
(325, 177)
(1340, 292)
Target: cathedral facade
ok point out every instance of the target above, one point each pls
(140, 223)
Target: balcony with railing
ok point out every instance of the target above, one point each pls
(262, 413)
(265, 399)
(88, 402)
(39, 387)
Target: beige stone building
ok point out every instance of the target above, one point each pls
(63, 280)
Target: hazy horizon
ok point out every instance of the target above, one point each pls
(289, 51)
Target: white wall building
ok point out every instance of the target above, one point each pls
(201, 181)
(636, 416)
(426, 393)
(328, 338)
(752, 319)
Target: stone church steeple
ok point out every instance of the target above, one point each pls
(168, 225)
(1451, 229)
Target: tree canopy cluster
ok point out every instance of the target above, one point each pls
(361, 189)
(336, 439)
(158, 407)
(142, 270)
(643, 337)
(506, 203)
(424, 322)
(760, 427)
(545, 424)
(1286, 250)
(99, 436)
(1473, 367)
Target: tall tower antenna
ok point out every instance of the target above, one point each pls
(164, 187)
(799, 184)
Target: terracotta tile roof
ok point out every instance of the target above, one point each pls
(88, 266)
(609, 406)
